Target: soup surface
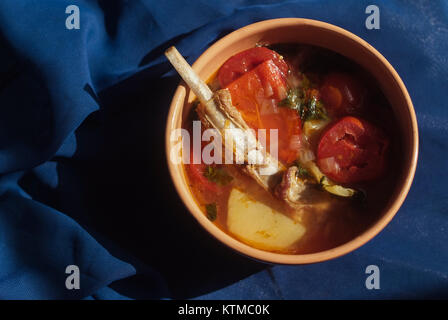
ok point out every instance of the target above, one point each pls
(333, 126)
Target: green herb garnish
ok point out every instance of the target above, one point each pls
(307, 105)
(217, 175)
(212, 211)
(302, 172)
(293, 100)
(313, 110)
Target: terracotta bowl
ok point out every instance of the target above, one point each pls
(325, 35)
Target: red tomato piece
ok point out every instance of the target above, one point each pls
(352, 150)
(341, 94)
(197, 177)
(256, 95)
(247, 60)
(196, 174)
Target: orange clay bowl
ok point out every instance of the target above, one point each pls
(304, 31)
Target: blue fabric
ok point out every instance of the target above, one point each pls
(83, 179)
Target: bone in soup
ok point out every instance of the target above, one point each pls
(325, 125)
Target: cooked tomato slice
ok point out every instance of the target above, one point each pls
(197, 177)
(245, 61)
(256, 95)
(341, 94)
(352, 150)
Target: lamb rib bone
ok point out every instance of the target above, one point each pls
(216, 111)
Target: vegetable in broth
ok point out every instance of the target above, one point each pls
(334, 148)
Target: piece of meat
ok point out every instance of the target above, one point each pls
(301, 194)
(220, 114)
(291, 187)
(217, 111)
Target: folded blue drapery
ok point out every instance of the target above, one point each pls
(83, 176)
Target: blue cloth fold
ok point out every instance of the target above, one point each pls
(83, 179)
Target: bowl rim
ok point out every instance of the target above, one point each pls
(279, 258)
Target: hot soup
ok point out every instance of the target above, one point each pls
(326, 128)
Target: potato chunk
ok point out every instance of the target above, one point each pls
(259, 225)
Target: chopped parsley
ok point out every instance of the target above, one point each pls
(293, 100)
(217, 175)
(313, 110)
(302, 172)
(307, 105)
(211, 211)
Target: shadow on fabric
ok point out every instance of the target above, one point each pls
(117, 186)
(132, 200)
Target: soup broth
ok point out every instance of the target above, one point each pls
(316, 92)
